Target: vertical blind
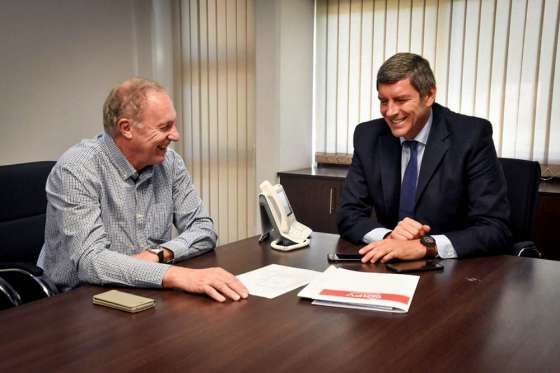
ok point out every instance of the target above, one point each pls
(218, 73)
(496, 59)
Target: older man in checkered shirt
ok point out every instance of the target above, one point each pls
(112, 202)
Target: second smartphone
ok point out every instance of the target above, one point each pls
(334, 257)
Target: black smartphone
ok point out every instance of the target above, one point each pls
(337, 257)
(416, 266)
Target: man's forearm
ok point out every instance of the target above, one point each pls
(109, 267)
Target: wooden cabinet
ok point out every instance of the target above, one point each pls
(548, 216)
(314, 194)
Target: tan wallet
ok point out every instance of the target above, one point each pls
(123, 301)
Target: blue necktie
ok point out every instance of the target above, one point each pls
(408, 185)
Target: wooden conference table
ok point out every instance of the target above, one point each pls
(494, 314)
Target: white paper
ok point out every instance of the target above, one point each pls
(274, 280)
(340, 287)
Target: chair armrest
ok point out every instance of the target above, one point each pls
(526, 249)
(32, 269)
(27, 281)
(9, 297)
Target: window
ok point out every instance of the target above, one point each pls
(495, 59)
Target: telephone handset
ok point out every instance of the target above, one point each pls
(282, 218)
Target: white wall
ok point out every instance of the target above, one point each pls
(58, 61)
(284, 86)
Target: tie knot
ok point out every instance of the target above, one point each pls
(411, 144)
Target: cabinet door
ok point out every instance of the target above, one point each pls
(548, 215)
(314, 200)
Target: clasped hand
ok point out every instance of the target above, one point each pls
(403, 243)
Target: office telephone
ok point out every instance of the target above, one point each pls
(279, 221)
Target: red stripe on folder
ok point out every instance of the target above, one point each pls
(365, 295)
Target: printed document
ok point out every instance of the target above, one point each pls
(339, 287)
(274, 280)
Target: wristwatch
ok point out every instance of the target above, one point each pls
(430, 244)
(159, 252)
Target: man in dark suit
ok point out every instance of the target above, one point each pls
(431, 175)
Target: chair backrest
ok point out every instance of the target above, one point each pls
(522, 179)
(23, 204)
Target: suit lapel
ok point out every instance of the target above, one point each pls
(436, 148)
(388, 156)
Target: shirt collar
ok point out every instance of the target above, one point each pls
(422, 136)
(125, 169)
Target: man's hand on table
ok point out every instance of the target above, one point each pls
(389, 249)
(402, 243)
(217, 283)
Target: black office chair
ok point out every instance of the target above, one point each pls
(522, 178)
(22, 230)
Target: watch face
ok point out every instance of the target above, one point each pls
(428, 241)
(159, 252)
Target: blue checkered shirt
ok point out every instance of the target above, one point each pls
(101, 211)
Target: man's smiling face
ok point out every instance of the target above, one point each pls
(403, 108)
(155, 132)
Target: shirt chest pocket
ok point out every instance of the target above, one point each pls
(160, 222)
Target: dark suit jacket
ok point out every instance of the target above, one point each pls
(461, 188)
